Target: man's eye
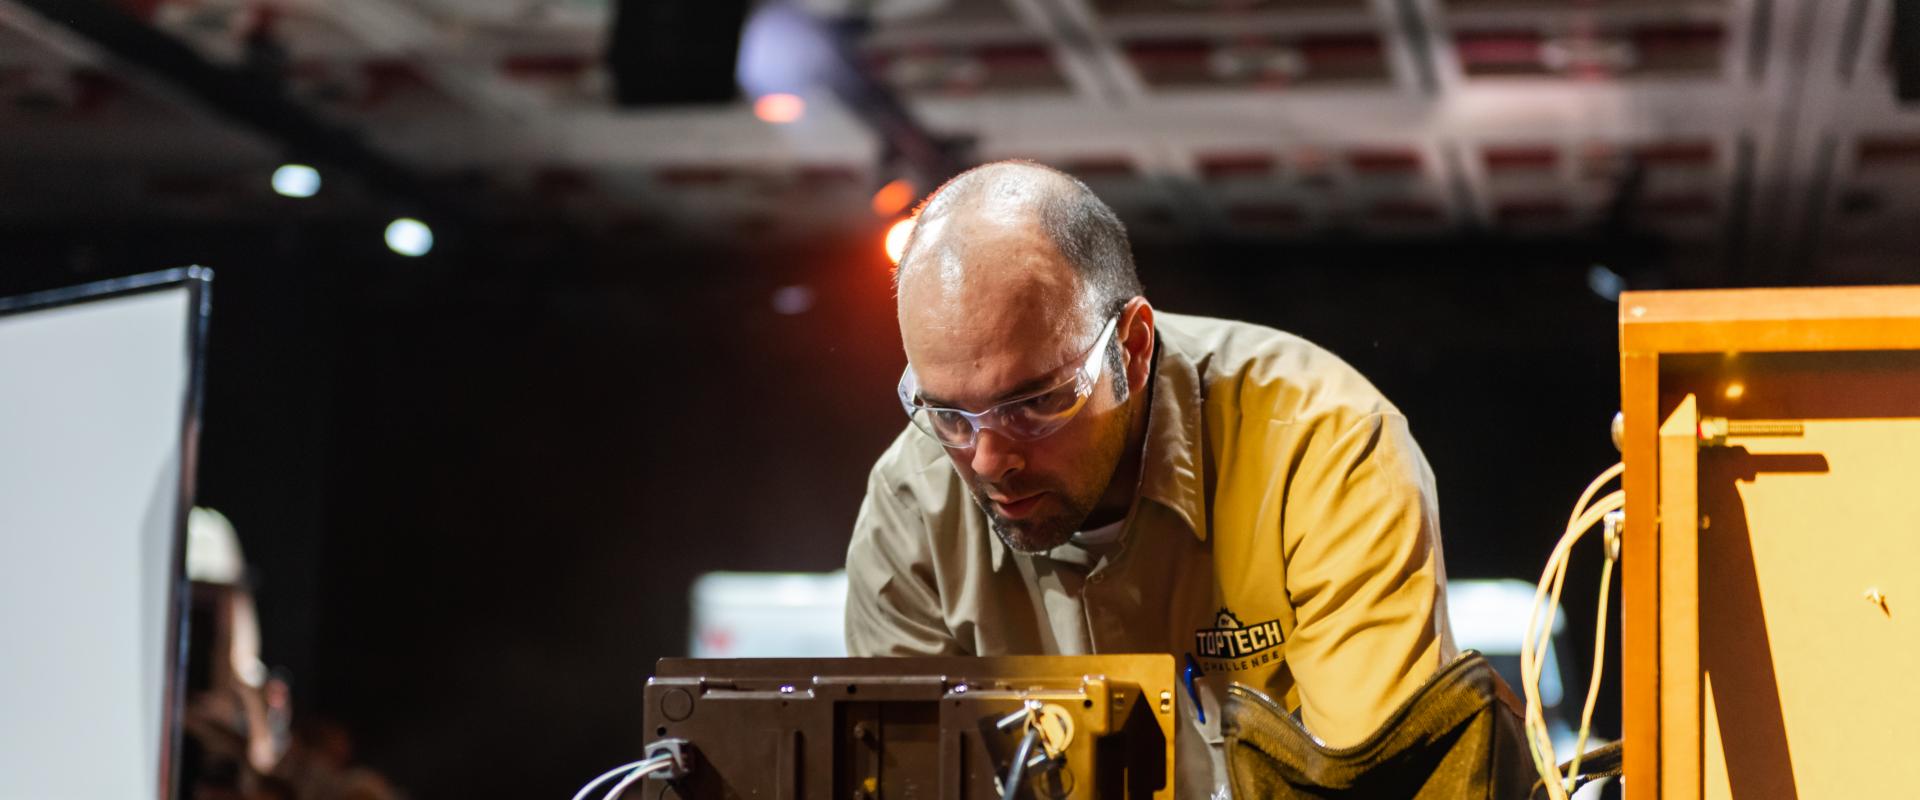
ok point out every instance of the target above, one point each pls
(1052, 402)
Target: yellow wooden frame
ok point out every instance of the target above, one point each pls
(1659, 604)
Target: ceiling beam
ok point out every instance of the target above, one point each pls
(255, 100)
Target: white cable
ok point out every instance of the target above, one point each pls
(1539, 633)
(1599, 662)
(1612, 472)
(1534, 656)
(660, 764)
(587, 790)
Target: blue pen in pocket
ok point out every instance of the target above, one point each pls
(1189, 675)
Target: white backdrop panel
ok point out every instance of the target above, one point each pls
(92, 398)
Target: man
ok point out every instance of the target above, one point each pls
(1085, 475)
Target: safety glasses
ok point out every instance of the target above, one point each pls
(1026, 418)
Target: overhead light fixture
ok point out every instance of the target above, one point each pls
(409, 237)
(784, 50)
(296, 180)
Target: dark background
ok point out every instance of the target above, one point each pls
(476, 486)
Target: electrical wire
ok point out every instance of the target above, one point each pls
(1599, 659)
(660, 763)
(655, 762)
(1539, 633)
(1540, 737)
(1534, 655)
(1010, 787)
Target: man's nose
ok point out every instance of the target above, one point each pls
(995, 456)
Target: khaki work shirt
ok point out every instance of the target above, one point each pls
(1285, 534)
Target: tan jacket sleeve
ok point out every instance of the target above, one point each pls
(893, 608)
(1365, 575)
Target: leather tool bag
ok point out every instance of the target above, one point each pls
(1460, 736)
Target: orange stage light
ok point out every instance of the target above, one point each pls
(893, 198)
(897, 238)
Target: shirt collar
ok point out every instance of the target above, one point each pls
(1172, 470)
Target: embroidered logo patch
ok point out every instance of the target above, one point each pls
(1231, 640)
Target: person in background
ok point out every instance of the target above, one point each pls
(241, 742)
(230, 740)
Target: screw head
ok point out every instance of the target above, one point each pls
(676, 704)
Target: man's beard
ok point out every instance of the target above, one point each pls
(1040, 534)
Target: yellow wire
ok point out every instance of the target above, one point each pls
(1552, 581)
(1529, 678)
(1562, 555)
(1599, 662)
(1538, 740)
(1594, 488)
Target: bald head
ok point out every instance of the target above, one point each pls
(1010, 230)
(1005, 290)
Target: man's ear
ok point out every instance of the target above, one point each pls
(1136, 333)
